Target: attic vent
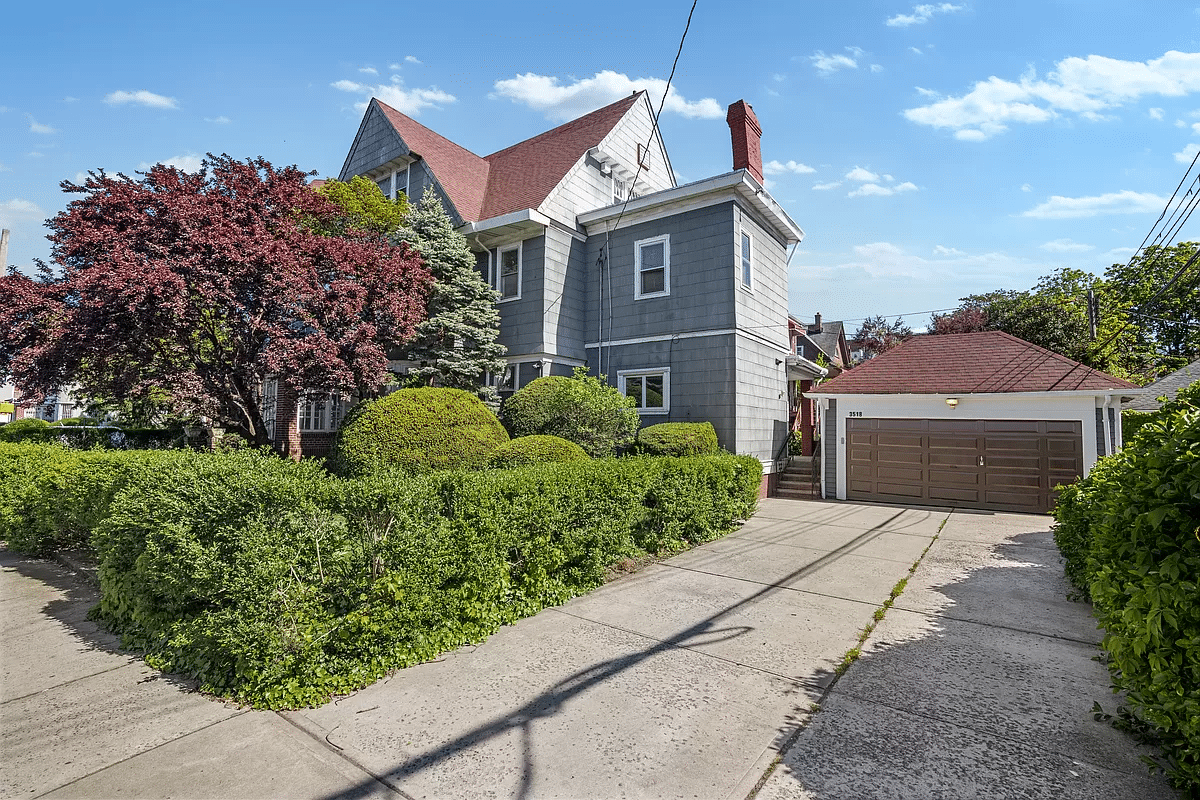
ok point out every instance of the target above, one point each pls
(643, 156)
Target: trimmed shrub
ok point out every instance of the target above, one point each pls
(537, 450)
(417, 430)
(279, 586)
(16, 430)
(1130, 533)
(581, 409)
(678, 439)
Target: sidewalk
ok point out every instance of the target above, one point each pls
(683, 680)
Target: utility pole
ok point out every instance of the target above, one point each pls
(1093, 305)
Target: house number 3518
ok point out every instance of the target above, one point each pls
(855, 414)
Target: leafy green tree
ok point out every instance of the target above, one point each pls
(456, 345)
(365, 206)
(1169, 325)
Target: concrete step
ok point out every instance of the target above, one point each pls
(794, 483)
(796, 494)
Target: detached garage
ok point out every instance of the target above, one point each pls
(975, 420)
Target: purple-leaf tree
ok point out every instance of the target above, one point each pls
(198, 286)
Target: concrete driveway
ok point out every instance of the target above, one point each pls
(696, 677)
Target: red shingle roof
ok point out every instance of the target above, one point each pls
(969, 363)
(512, 179)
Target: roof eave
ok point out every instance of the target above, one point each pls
(1123, 393)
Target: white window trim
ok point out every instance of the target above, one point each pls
(637, 266)
(327, 423)
(665, 372)
(741, 274)
(500, 251)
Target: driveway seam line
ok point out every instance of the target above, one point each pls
(339, 752)
(785, 587)
(132, 660)
(934, 615)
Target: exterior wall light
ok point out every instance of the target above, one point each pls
(952, 401)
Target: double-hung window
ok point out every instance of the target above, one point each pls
(652, 267)
(320, 412)
(649, 388)
(747, 273)
(508, 276)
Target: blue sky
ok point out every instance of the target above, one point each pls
(928, 150)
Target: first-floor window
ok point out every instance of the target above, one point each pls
(650, 389)
(320, 412)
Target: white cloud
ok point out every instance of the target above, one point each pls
(34, 154)
(1188, 153)
(21, 208)
(778, 168)
(222, 120)
(941, 250)
(779, 77)
(142, 98)
(1025, 187)
(413, 60)
(876, 68)
(822, 187)
(564, 102)
(368, 70)
(80, 178)
(1066, 246)
(3, 168)
(38, 127)
(407, 101)
(1196, 127)
(1155, 113)
(187, 163)
(829, 64)
(1123, 202)
(69, 99)
(884, 260)
(916, 50)
(1083, 86)
(927, 92)
(394, 67)
(860, 174)
(875, 190)
(921, 14)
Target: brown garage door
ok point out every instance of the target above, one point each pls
(1006, 465)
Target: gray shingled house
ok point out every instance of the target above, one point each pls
(675, 294)
(1167, 386)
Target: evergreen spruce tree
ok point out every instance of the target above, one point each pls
(456, 344)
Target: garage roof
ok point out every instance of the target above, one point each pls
(969, 363)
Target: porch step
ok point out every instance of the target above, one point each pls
(796, 494)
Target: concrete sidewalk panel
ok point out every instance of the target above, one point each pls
(1004, 683)
(855, 515)
(253, 755)
(867, 579)
(69, 731)
(52, 655)
(896, 545)
(1017, 583)
(992, 526)
(855, 750)
(787, 632)
(556, 706)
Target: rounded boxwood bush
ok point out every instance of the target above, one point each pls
(417, 430)
(678, 439)
(580, 409)
(537, 450)
(15, 431)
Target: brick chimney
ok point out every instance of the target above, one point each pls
(816, 328)
(746, 135)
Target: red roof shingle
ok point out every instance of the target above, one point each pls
(969, 363)
(512, 179)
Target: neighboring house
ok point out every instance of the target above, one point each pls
(819, 351)
(60, 405)
(979, 420)
(675, 294)
(1169, 386)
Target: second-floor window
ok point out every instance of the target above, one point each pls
(508, 276)
(652, 267)
(747, 277)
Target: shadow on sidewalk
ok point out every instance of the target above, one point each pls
(984, 689)
(77, 597)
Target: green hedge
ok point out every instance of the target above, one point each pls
(1132, 422)
(678, 439)
(417, 430)
(87, 437)
(581, 409)
(16, 430)
(279, 586)
(537, 450)
(1130, 535)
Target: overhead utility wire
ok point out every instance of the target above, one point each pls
(1170, 200)
(607, 251)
